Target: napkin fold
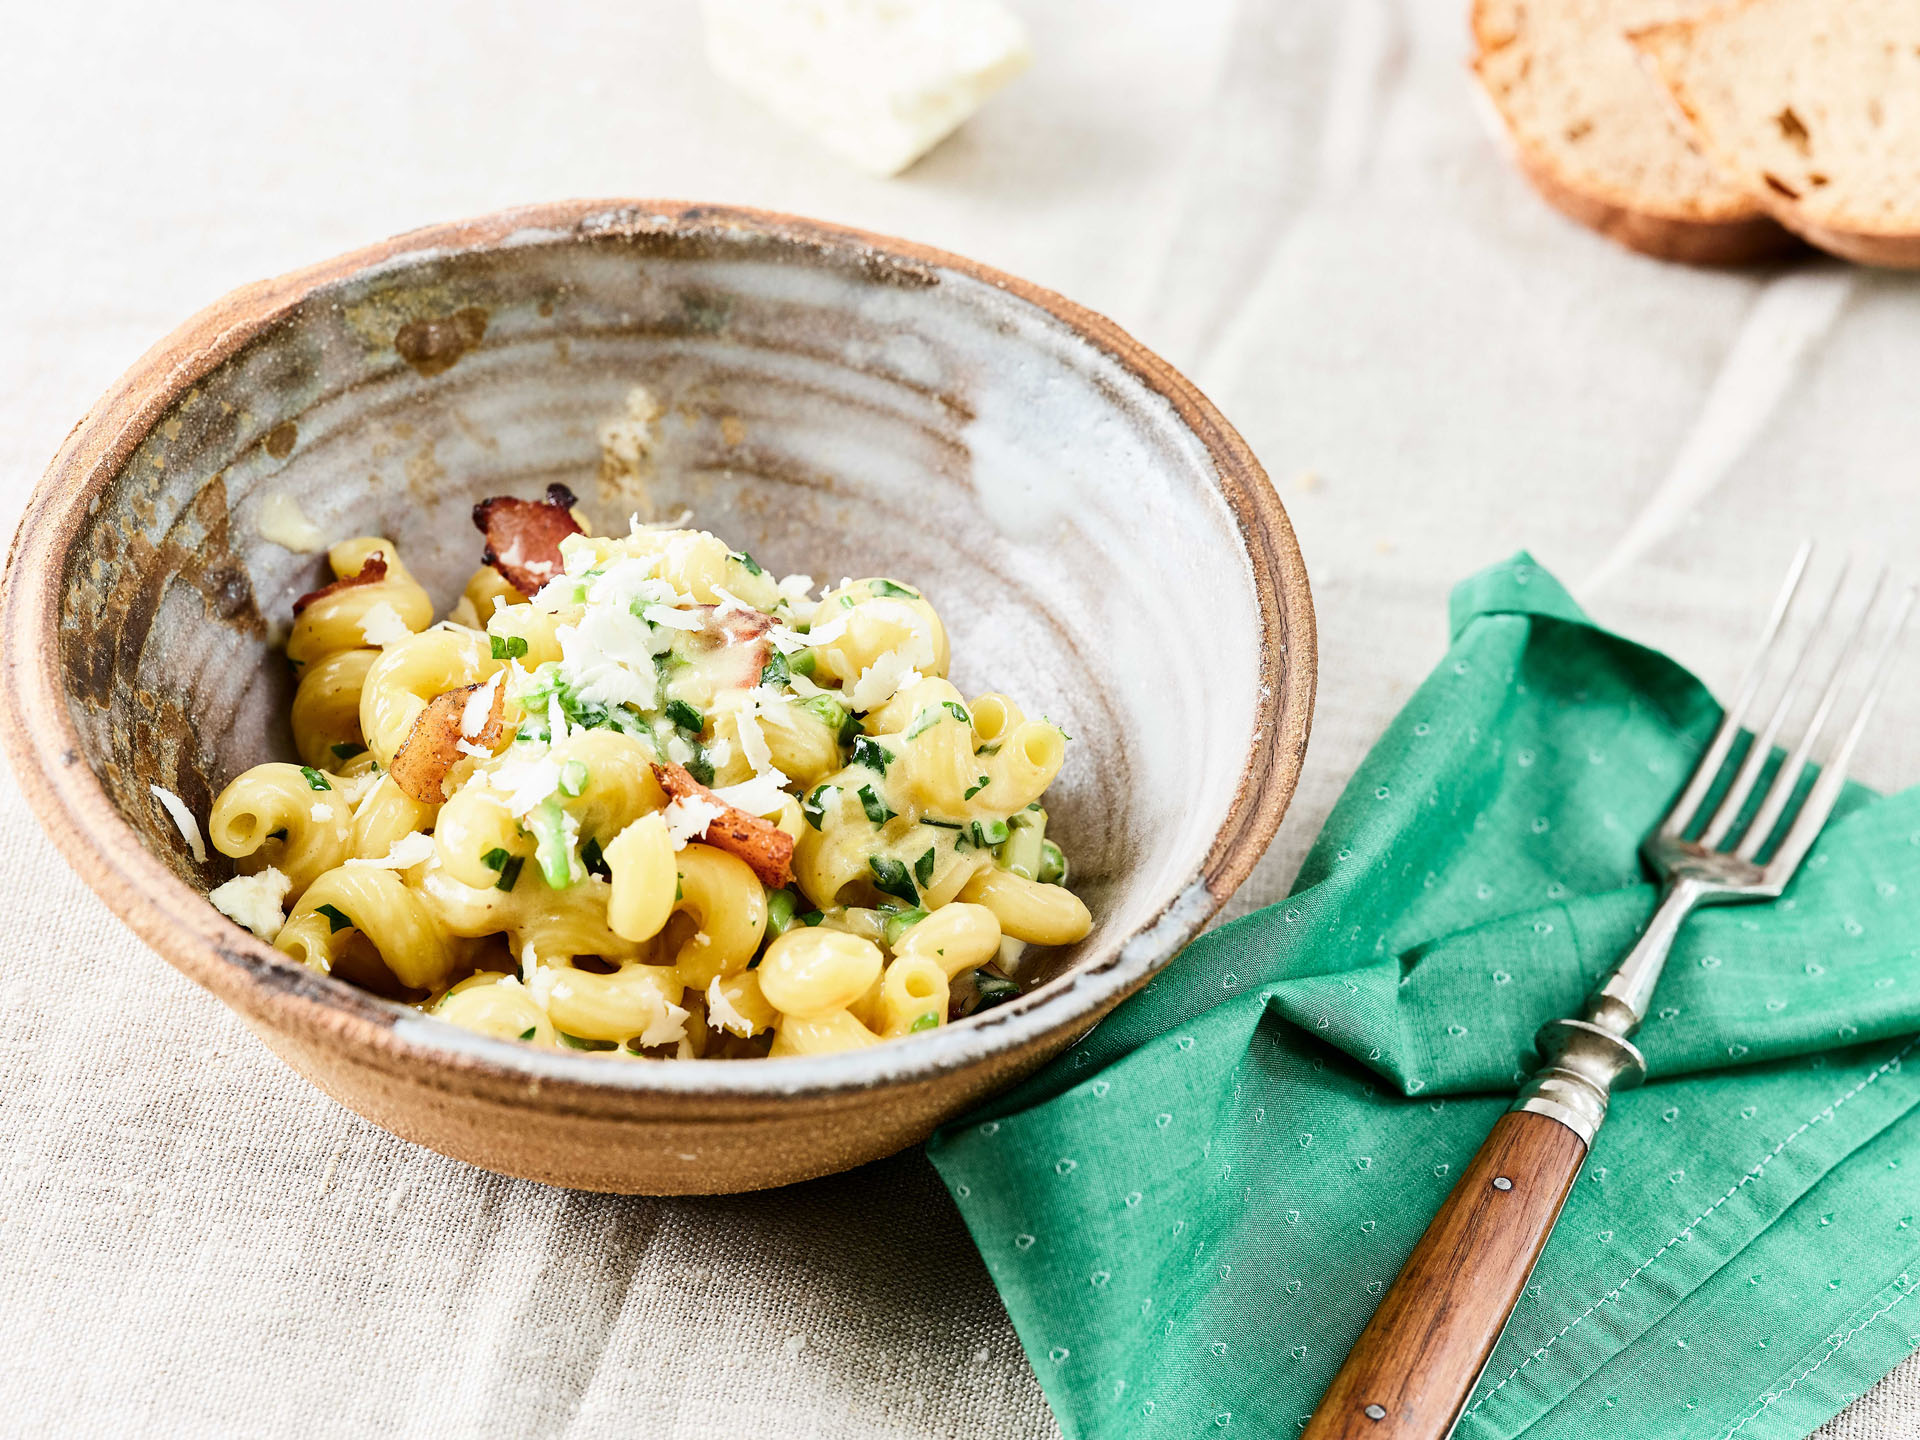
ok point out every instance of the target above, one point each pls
(1192, 1213)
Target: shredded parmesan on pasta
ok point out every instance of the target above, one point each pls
(183, 820)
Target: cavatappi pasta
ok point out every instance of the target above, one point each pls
(662, 806)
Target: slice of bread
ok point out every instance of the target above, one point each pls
(1814, 107)
(1595, 135)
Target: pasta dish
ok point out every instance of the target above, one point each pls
(635, 795)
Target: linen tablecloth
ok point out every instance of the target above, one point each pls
(1294, 200)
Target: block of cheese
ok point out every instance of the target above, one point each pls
(881, 82)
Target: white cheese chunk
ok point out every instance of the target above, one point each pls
(183, 820)
(321, 812)
(762, 795)
(526, 782)
(284, 523)
(881, 82)
(889, 674)
(667, 1027)
(721, 1011)
(255, 901)
(473, 718)
(408, 851)
(688, 817)
(382, 625)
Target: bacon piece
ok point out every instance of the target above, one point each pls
(432, 747)
(767, 849)
(523, 536)
(372, 571)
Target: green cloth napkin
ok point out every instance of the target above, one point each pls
(1193, 1212)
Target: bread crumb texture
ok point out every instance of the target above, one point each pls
(1812, 106)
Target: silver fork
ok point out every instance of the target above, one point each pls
(1415, 1365)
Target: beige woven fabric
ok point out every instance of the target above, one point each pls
(1291, 198)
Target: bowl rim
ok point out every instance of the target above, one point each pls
(264, 985)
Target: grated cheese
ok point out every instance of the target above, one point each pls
(688, 817)
(183, 820)
(409, 850)
(721, 1012)
(526, 782)
(382, 625)
(255, 901)
(282, 522)
(666, 1028)
(673, 619)
(473, 719)
(882, 680)
(321, 812)
(763, 795)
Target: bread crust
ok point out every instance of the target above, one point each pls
(1886, 249)
(1744, 239)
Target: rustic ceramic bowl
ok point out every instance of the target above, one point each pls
(1099, 540)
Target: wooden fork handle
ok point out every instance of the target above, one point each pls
(1415, 1365)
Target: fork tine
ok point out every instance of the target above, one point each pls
(1681, 817)
(1755, 759)
(1826, 790)
(1787, 778)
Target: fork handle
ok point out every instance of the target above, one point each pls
(1416, 1363)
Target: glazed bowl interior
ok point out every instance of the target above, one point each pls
(836, 408)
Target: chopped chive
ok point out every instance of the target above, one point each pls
(928, 1021)
(923, 867)
(746, 562)
(510, 872)
(875, 807)
(888, 587)
(812, 918)
(814, 807)
(1033, 805)
(685, 716)
(1053, 864)
(529, 1032)
(315, 780)
(923, 722)
(989, 833)
(942, 824)
(890, 878)
(507, 647)
(573, 778)
(958, 711)
(846, 602)
(775, 672)
(993, 990)
(780, 907)
(993, 749)
(594, 858)
(551, 852)
(803, 663)
(869, 752)
(574, 1042)
(347, 749)
(496, 858)
(829, 710)
(977, 787)
(900, 922)
(679, 886)
(337, 920)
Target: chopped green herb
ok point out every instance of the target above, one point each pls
(923, 722)
(775, 671)
(977, 787)
(679, 886)
(347, 749)
(701, 768)
(510, 873)
(685, 716)
(890, 878)
(887, 587)
(989, 833)
(1033, 805)
(279, 834)
(1058, 726)
(875, 807)
(993, 749)
(529, 1032)
(942, 824)
(496, 858)
(573, 778)
(780, 907)
(923, 867)
(552, 853)
(849, 729)
(1053, 864)
(508, 647)
(814, 806)
(812, 918)
(574, 1042)
(871, 753)
(803, 663)
(746, 561)
(830, 711)
(958, 711)
(315, 780)
(846, 602)
(900, 922)
(595, 859)
(337, 919)
(993, 990)
(928, 1021)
